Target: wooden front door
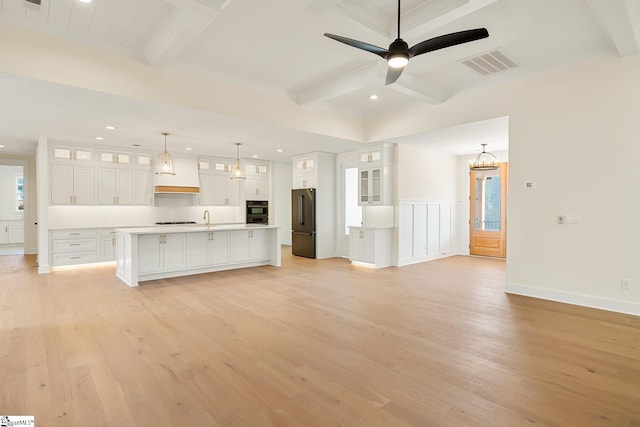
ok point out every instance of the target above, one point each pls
(488, 209)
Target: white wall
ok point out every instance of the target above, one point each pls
(425, 174)
(281, 210)
(575, 133)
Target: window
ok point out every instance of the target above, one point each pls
(352, 212)
(20, 194)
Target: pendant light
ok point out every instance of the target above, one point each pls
(484, 161)
(164, 162)
(236, 172)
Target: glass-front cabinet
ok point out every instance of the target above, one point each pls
(374, 170)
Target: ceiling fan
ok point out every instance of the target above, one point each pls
(399, 53)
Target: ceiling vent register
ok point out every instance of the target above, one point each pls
(490, 63)
(36, 2)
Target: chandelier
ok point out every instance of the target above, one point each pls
(484, 161)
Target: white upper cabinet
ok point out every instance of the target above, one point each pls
(216, 186)
(72, 185)
(256, 186)
(71, 154)
(375, 174)
(80, 176)
(305, 171)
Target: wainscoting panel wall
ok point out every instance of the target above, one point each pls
(430, 230)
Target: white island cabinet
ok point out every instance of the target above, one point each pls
(370, 246)
(150, 253)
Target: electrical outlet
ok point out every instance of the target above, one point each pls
(625, 284)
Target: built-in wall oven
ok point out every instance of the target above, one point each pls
(257, 212)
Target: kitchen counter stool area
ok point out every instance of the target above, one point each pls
(150, 253)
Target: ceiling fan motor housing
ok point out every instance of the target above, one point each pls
(398, 55)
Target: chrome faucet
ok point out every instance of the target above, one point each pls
(206, 218)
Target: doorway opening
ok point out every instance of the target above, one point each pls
(350, 211)
(487, 210)
(12, 209)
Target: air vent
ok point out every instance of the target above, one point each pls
(36, 2)
(490, 63)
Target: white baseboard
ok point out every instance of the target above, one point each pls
(416, 260)
(576, 299)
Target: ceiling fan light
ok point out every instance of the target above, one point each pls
(398, 61)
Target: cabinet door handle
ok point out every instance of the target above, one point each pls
(74, 244)
(160, 239)
(75, 257)
(74, 234)
(113, 241)
(114, 200)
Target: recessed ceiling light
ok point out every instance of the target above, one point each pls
(188, 148)
(279, 150)
(110, 127)
(373, 97)
(85, 1)
(1, 146)
(99, 138)
(255, 156)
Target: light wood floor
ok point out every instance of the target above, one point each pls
(313, 343)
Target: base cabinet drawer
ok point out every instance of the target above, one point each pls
(73, 258)
(73, 234)
(73, 245)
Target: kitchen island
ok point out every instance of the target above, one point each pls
(149, 253)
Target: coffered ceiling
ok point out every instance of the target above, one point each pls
(277, 47)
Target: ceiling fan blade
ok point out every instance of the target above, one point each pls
(382, 52)
(393, 74)
(448, 40)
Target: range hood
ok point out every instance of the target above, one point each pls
(186, 179)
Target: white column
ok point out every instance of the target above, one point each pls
(42, 185)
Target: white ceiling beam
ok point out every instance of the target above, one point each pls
(334, 88)
(320, 6)
(184, 25)
(366, 16)
(435, 14)
(621, 19)
(410, 86)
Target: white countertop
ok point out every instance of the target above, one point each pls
(191, 228)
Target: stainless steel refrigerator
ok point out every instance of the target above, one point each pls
(303, 222)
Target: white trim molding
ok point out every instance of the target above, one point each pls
(608, 304)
